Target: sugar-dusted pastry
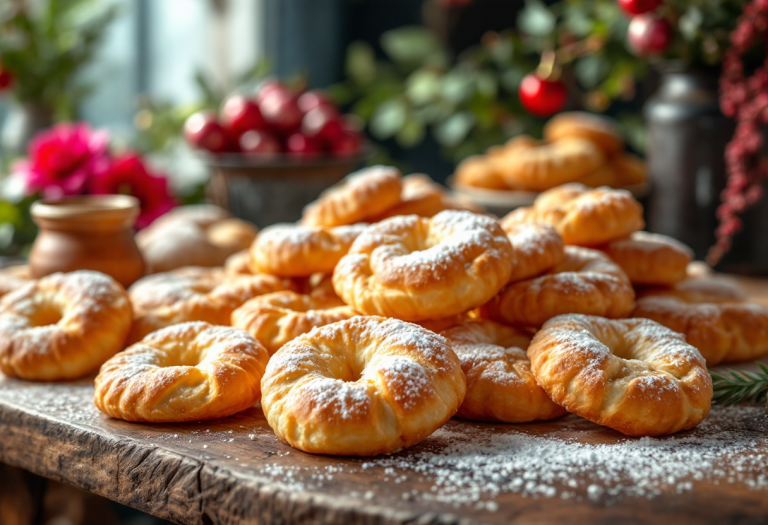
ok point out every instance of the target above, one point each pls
(583, 216)
(632, 375)
(194, 294)
(358, 197)
(294, 250)
(713, 315)
(12, 277)
(62, 326)
(420, 196)
(186, 372)
(415, 268)
(239, 263)
(650, 259)
(597, 129)
(477, 172)
(536, 248)
(585, 281)
(629, 169)
(361, 387)
(277, 318)
(500, 385)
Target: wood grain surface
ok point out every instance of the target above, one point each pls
(235, 471)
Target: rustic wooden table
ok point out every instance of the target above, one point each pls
(235, 471)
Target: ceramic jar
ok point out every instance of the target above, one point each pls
(87, 233)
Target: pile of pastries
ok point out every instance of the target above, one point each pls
(577, 147)
(385, 312)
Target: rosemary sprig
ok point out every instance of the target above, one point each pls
(736, 386)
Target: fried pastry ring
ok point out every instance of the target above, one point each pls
(536, 248)
(500, 385)
(360, 196)
(194, 294)
(632, 375)
(650, 259)
(583, 216)
(420, 196)
(277, 318)
(414, 268)
(291, 250)
(585, 282)
(478, 172)
(62, 326)
(597, 129)
(186, 372)
(238, 263)
(361, 387)
(712, 315)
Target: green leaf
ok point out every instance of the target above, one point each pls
(361, 63)
(457, 86)
(411, 45)
(591, 70)
(454, 129)
(411, 134)
(690, 22)
(422, 86)
(536, 19)
(388, 119)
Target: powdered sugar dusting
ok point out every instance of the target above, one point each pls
(343, 399)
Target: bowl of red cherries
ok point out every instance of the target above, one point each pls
(273, 152)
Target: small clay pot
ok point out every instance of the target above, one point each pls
(87, 233)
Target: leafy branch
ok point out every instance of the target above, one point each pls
(736, 386)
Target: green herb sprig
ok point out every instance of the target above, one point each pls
(736, 386)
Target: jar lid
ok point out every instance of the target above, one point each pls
(91, 209)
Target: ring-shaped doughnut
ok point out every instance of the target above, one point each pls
(238, 263)
(546, 166)
(584, 216)
(291, 250)
(536, 248)
(194, 294)
(500, 385)
(358, 197)
(585, 282)
(632, 375)
(420, 196)
(414, 268)
(650, 259)
(361, 387)
(62, 326)
(712, 315)
(597, 129)
(186, 372)
(477, 171)
(279, 317)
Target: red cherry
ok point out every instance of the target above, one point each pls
(269, 86)
(240, 114)
(299, 145)
(323, 124)
(281, 112)
(6, 78)
(259, 142)
(202, 130)
(649, 35)
(347, 145)
(638, 7)
(542, 97)
(352, 124)
(314, 99)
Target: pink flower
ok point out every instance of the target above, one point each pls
(128, 175)
(62, 159)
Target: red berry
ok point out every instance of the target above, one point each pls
(202, 130)
(649, 35)
(6, 78)
(299, 145)
(542, 97)
(347, 145)
(314, 99)
(259, 142)
(269, 86)
(240, 114)
(281, 112)
(323, 124)
(638, 7)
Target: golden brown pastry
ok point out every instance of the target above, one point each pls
(585, 282)
(292, 250)
(630, 169)
(239, 263)
(62, 326)
(12, 277)
(420, 196)
(583, 216)
(415, 268)
(578, 124)
(478, 172)
(360, 196)
(632, 375)
(713, 315)
(536, 248)
(500, 385)
(650, 259)
(187, 372)
(277, 318)
(361, 387)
